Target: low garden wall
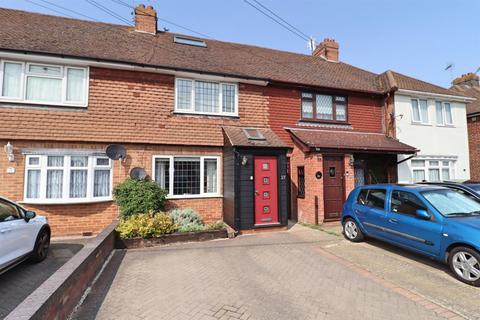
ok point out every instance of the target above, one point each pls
(57, 297)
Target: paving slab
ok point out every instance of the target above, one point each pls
(284, 275)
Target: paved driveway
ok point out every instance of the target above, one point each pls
(285, 275)
(17, 283)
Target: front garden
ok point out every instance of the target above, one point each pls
(145, 222)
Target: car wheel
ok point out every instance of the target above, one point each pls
(352, 231)
(40, 251)
(465, 265)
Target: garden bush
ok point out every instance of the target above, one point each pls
(146, 225)
(219, 225)
(187, 220)
(135, 196)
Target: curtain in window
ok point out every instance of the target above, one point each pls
(341, 112)
(228, 97)
(415, 110)
(446, 174)
(418, 175)
(324, 107)
(439, 112)
(433, 175)
(448, 113)
(12, 80)
(210, 176)
(54, 183)
(184, 94)
(75, 83)
(33, 184)
(44, 89)
(101, 183)
(207, 96)
(307, 109)
(78, 183)
(424, 110)
(55, 161)
(162, 173)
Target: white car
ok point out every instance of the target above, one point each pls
(23, 235)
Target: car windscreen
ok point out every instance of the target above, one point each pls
(475, 187)
(450, 203)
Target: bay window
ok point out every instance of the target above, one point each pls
(38, 83)
(190, 176)
(205, 97)
(321, 107)
(433, 170)
(67, 179)
(443, 111)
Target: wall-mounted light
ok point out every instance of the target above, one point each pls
(352, 160)
(244, 160)
(394, 116)
(9, 151)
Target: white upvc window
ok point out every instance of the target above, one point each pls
(433, 170)
(188, 176)
(67, 179)
(420, 111)
(443, 111)
(206, 97)
(45, 84)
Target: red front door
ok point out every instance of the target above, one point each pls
(333, 190)
(266, 190)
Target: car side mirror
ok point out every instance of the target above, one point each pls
(29, 215)
(422, 214)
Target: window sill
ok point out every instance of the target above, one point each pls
(422, 124)
(343, 123)
(194, 196)
(216, 115)
(445, 126)
(40, 103)
(65, 201)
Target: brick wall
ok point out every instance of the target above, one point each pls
(129, 106)
(474, 147)
(75, 219)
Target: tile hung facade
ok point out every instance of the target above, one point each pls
(250, 135)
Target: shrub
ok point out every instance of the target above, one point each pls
(135, 196)
(146, 225)
(219, 225)
(187, 220)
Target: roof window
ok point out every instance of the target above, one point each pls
(190, 41)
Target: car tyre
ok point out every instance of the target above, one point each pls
(351, 231)
(42, 244)
(464, 262)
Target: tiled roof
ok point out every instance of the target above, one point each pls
(391, 79)
(237, 137)
(32, 32)
(474, 92)
(356, 141)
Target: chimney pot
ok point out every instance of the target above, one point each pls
(145, 19)
(470, 79)
(328, 49)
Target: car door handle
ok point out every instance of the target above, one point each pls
(358, 211)
(392, 220)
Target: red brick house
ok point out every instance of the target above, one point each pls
(469, 85)
(223, 127)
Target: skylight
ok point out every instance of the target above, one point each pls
(190, 41)
(253, 134)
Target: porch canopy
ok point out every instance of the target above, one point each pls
(253, 137)
(344, 141)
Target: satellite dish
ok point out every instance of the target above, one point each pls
(116, 151)
(138, 173)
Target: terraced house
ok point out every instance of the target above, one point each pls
(250, 135)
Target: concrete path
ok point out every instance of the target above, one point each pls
(285, 275)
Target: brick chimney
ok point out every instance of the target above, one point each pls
(145, 19)
(328, 49)
(470, 79)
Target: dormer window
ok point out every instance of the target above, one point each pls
(206, 97)
(324, 108)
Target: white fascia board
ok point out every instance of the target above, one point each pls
(123, 66)
(435, 95)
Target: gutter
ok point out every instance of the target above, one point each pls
(431, 94)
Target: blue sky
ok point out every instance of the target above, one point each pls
(415, 37)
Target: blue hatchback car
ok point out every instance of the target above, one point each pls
(432, 220)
